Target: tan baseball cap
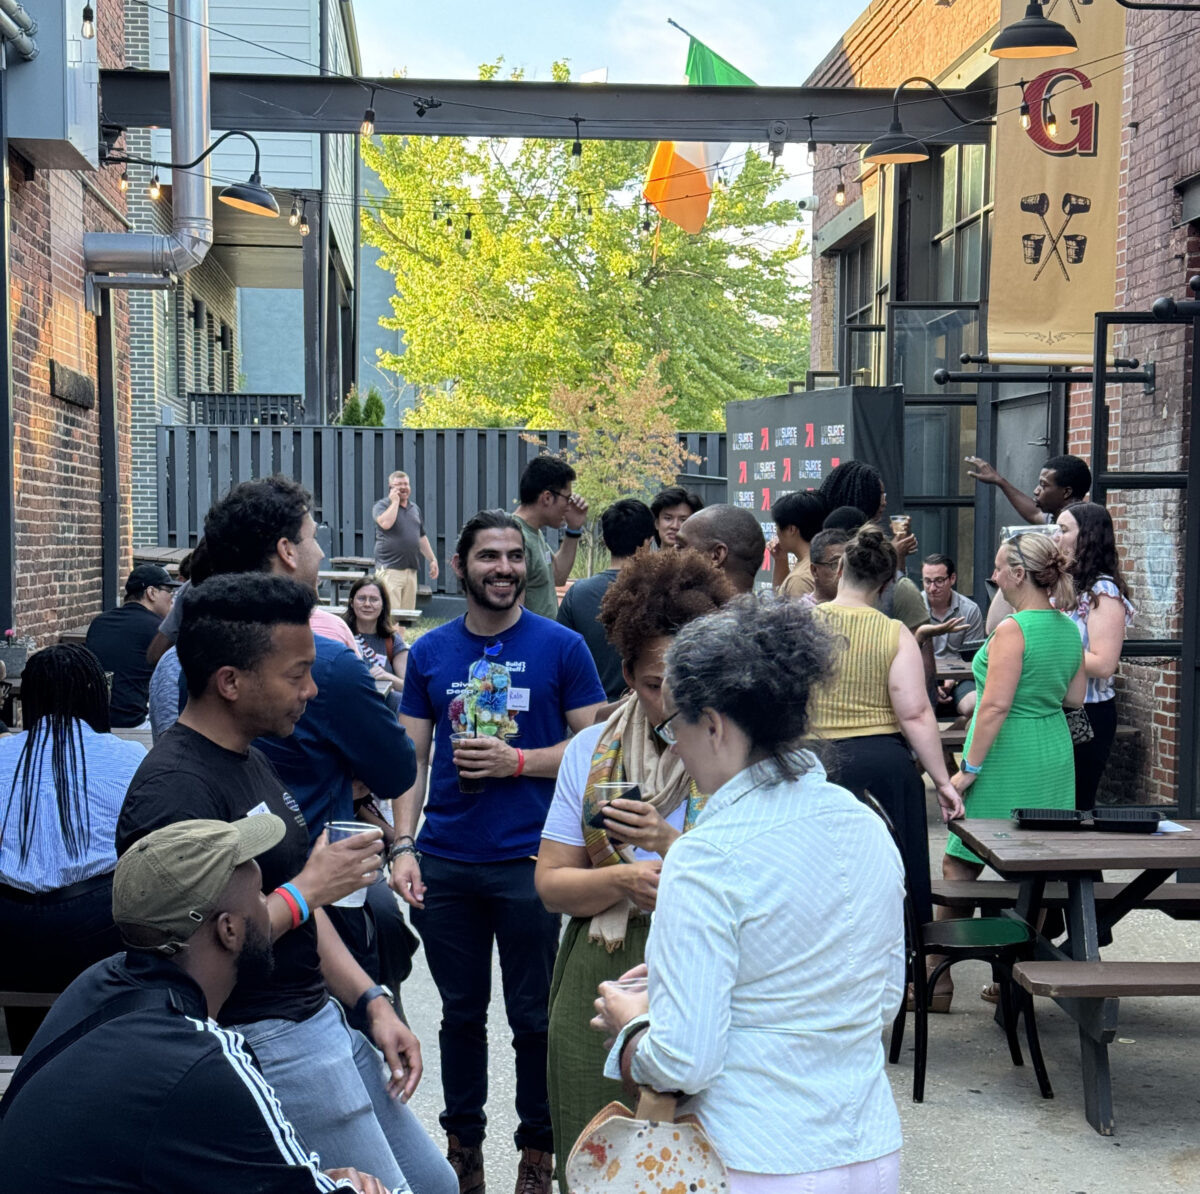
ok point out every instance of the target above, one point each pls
(170, 882)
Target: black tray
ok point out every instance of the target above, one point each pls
(1126, 820)
(1048, 818)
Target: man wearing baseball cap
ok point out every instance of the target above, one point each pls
(130, 1084)
(119, 639)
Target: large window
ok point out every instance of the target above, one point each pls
(960, 241)
(856, 309)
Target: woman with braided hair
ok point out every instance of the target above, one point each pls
(62, 783)
(606, 878)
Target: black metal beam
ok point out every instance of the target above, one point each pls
(110, 495)
(625, 112)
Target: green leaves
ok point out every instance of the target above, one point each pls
(546, 295)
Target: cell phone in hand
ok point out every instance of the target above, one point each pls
(610, 792)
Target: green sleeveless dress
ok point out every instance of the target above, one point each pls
(1032, 763)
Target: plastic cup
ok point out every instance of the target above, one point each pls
(900, 524)
(337, 831)
(471, 787)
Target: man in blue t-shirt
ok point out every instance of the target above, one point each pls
(518, 683)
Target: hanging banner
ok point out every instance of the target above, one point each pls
(1054, 229)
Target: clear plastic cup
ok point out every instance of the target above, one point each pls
(471, 787)
(337, 831)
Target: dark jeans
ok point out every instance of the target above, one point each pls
(1092, 757)
(48, 942)
(468, 905)
(882, 765)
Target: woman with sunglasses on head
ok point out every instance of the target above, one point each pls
(600, 859)
(369, 616)
(1018, 747)
(1102, 612)
(776, 957)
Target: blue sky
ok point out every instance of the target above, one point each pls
(775, 42)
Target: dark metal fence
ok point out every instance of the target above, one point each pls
(245, 410)
(454, 473)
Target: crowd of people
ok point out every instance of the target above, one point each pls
(667, 758)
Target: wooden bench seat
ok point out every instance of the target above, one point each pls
(1083, 980)
(954, 738)
(1178, 900)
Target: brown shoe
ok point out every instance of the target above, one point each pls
(535, 1172)
(467, 1161)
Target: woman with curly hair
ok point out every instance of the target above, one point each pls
(1102, 613)
(606, 878)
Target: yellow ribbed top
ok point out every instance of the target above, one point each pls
(855, 702)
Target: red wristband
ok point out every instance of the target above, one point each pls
(520, 761)
(293, 907)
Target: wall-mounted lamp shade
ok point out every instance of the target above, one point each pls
(895, 148)
(226, 338)
(250, 196)
(199, 312)
(1033, 36)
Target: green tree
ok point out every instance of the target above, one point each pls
(559, 283)
(372, 411)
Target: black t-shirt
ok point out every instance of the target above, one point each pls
(119, 638)
(578, 611)
(189, 777)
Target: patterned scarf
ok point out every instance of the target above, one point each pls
(628, 751)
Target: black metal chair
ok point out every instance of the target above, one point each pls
(1000, 941)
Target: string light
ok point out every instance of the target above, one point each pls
(294, 214)
(645, 217)
(123, 182)
(1051, 120)
(577, 149)
(367, 128)
(88, 28)
(1024, 109)
(839, 196)
(155, 188)
(467, 233)
(811, 155)
(304, 228)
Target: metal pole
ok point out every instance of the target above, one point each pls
(106, 374)
(8, 487)
(1187, 780)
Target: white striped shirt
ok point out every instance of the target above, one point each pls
(776, 957)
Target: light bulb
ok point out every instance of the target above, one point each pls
(812, 153)
(839, 196)
(88, 28)
(1025, 121)
(367, 128)
(576, 155)
(155, 189)
(1051, 123)
(304, 228)
(294, 214)
(123, 182)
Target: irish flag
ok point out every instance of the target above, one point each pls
(681, 174)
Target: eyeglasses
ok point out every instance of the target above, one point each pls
(823, 563)
(664, 730)
(937, 580)
(565, 496)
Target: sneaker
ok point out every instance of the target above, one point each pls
(535, 1172)
(467, 1161)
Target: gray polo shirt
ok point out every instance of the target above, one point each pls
(400, 545)
(960, 607)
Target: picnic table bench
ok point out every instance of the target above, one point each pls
(1180, 901)
(954, 736)
(1103, 980)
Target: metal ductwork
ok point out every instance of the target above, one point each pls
(17, 27)
(191, 234)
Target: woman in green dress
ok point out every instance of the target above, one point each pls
(606, 879)
(1018, 751)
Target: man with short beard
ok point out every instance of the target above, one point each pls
(160, 1097)
(516, 683)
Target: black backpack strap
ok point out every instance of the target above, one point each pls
(123, 1005)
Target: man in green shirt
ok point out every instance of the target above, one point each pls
(546, 500)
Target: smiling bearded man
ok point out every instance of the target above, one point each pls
(513, 683)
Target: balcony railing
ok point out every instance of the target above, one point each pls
(245, 410)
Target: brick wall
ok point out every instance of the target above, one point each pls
(56, 444)
(1155, 255)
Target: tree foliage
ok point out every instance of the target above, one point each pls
(559, 283)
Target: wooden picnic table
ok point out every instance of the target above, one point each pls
(1078, 858)
(336, 577)
(949, 668)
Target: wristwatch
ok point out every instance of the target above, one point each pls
(360, 1008)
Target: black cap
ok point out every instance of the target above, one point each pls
(148, 576)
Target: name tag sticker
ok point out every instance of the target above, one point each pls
(518, 700)
(258, 808)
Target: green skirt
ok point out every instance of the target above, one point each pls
(576, 1053)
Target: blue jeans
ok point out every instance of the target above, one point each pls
(468, 906)
(329, 1080)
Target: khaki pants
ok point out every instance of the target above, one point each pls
(402, 586)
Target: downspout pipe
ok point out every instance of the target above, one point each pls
(17, 27)
(191, 235)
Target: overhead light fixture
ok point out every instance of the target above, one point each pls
(294, 214)
(88, 29)
(896, 147)
(367, 128)
(154, 190)
(577, 149)
(1033, 36)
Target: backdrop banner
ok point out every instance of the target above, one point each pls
(1054, 233)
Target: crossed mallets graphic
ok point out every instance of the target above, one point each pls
(1076, 246)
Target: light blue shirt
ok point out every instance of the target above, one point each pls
(164, 694)
(776, 957)
(111, 762)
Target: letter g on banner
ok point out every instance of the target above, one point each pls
(1084, 117)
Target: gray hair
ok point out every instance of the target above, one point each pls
(756, 662)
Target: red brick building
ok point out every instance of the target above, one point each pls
(52, 566)
(908, 255)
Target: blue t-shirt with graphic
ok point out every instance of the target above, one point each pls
(517, 686)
